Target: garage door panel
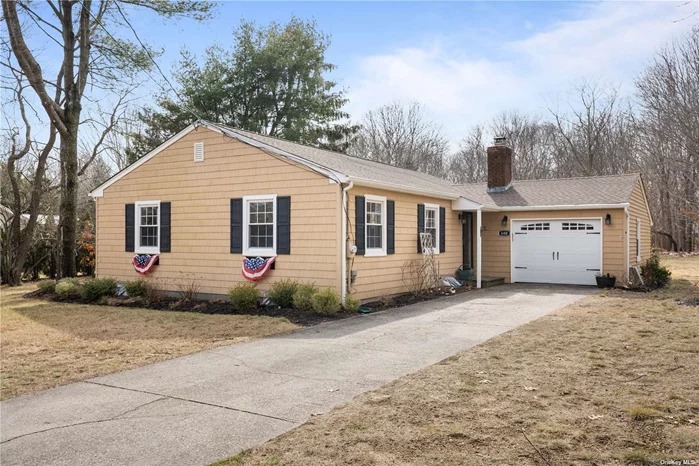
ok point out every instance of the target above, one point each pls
(556, 251)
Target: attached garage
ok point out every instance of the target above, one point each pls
(566, 251)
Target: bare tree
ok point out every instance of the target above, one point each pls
(90, 53)
(21, 239)
(668, 92)
(532, 143)
(470, 163)
(402, 136)
(594, 131)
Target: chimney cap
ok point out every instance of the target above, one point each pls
(499, 140)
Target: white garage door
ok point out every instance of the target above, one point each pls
(556, 251)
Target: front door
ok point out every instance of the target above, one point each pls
(467, 239)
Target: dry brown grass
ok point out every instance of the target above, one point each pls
(46, 344)
(612, 379)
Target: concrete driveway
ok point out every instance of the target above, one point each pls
(206, 406)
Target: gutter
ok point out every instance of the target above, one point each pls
(624, 205)
(403, 189)
(343, 245)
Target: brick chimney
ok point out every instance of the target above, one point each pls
(499, 166)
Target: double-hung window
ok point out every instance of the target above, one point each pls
(432, 225)
(260, 225)
(148, 227)
(375, 226)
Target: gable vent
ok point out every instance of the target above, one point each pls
(198, 151)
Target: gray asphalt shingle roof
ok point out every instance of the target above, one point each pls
(355, 167)
(613, 189)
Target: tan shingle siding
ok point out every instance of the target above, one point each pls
(638, 209)
(382, 276)
(200, 194)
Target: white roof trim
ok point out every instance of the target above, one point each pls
(99, 190)
(464, 204)
(402, 188)
(620, 205)
(332, 174)
(645, 198)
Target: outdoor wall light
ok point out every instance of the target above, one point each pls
(608, 219)
(503, 222)
(463, 217)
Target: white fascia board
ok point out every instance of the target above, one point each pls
(555, 207)
(402, 188)
(333, 175)
(464, 204)
(99, 190)
(643, 188)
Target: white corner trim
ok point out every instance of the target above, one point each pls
(99, 190)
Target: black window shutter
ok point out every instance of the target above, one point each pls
(284, 225)
(420, 224)
(236, 226)
(130, 231)
(391, 228)
(165, 226)
(359, 237)
(442, 229)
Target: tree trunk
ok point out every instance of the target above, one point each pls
(68, 231)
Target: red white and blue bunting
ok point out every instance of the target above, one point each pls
(143, 263)
(255, 268)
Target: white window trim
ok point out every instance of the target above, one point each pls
(263, 252)
(376, 252)
(435, 207)
(638, 239)
(137, 232)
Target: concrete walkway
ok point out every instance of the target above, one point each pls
(206, 406)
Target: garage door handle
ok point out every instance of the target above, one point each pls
(593, 270)
(553, 256)
(520, 267)
(558, 257)
(593, 232)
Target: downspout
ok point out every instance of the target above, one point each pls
(628, 240)
(345, 214)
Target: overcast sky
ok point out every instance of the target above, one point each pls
(466, 61)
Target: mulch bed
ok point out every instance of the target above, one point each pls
(296, 316)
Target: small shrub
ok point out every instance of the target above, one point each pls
(654, 275)
(326, 302)
(244, 296)
(99, 288)
(67, 289)
(47, 286)
(642, 413)
(352, 304)
(136, 288)
(282, 292)
(188, 287)
(304, 295)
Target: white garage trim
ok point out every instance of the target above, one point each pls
(549, 219)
